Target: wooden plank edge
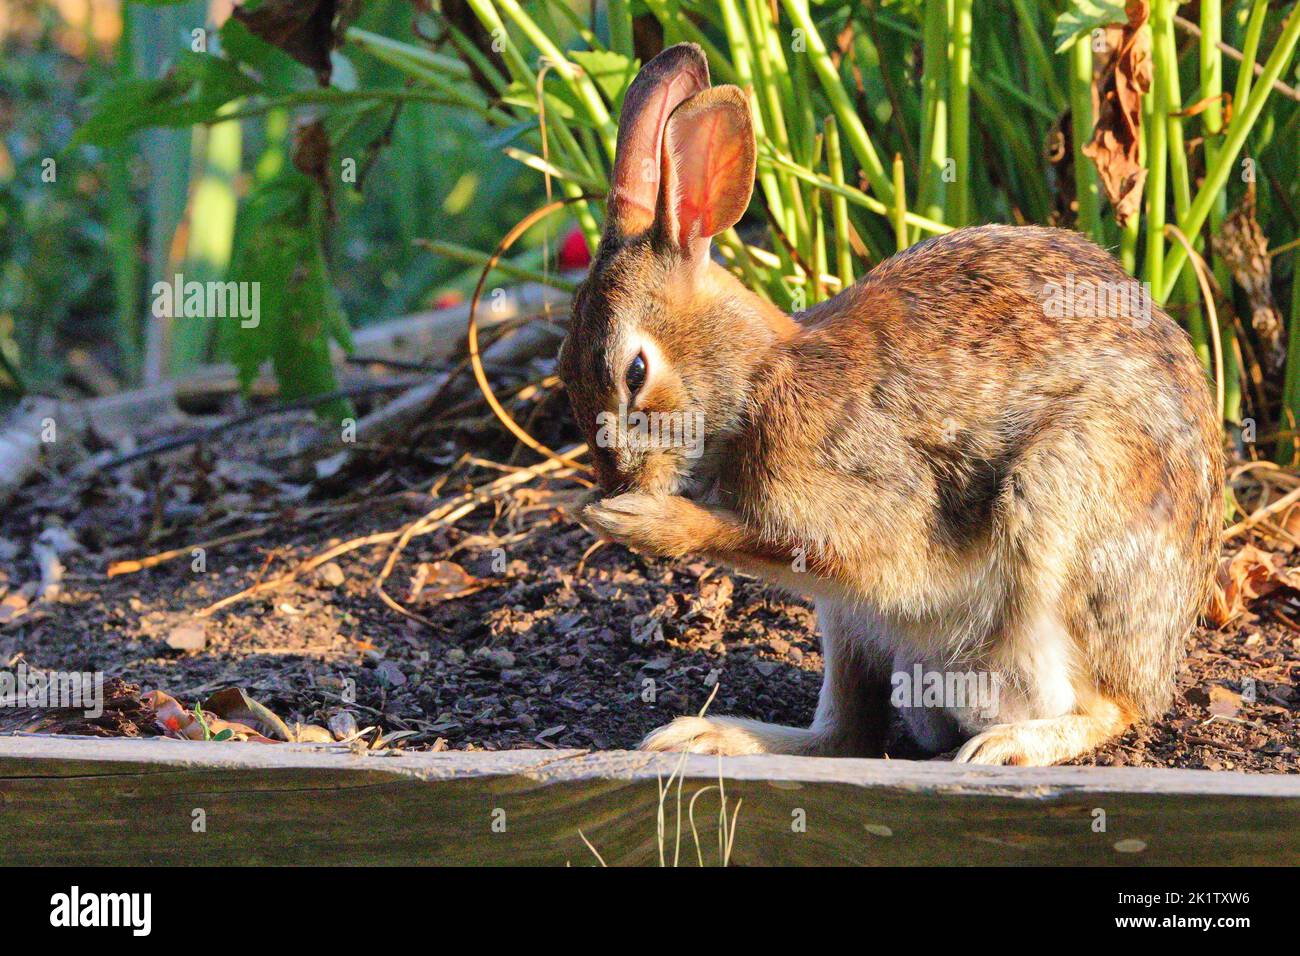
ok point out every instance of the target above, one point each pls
(41, 752)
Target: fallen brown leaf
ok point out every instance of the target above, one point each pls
(437, 581)
(234, 704)
(1243, 577)
(180, 723)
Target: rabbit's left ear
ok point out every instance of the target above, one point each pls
(676, 74)
(708, 169)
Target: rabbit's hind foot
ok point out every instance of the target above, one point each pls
(1046, 741)
(730, 736)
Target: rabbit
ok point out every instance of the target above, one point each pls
(964, 464)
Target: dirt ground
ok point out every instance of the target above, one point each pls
(531, 639)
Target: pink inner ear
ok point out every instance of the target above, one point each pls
(706, 159)
(709, 166)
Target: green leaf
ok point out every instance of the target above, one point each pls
(278, 246)
(560, 103)
(1084, 16)
(192, 91)
(277, 70)
(611, 72)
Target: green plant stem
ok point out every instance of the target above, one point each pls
(1038, 52)
(775, 189)
(768, 93)
(1216, 176)
(1290, 420)
(558, 131)
(1128, 243)
(959, 118)
(395, 51)
(1155, 121)
(934, 111)
(1085, 173)
(620, 27)
(1180, 174)
(469, 51)
(995, 80)
(670, 16)
(900, 204)
(579, 82)
(475, 257)
(1211, 76)
(839, 205)
(533, 161)
(854, 196)
(1250, 51)
(327, 97)
(855, 134)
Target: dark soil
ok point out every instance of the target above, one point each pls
(561, 647)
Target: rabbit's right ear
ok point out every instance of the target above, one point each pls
(677, 73)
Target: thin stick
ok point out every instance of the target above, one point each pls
(449, 513)
(1207, 294)
(427, 523)
(1187, 26)
(153, 560)
(476, 360)
(600, 859)
(1288, 499)
(280, 408)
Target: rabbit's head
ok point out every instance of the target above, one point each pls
(663, 342)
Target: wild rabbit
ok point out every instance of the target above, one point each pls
(968, 460)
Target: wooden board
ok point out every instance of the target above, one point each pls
(84, 801)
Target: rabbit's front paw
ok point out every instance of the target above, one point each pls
(1045, 741)
(999, 744)
(666, 525)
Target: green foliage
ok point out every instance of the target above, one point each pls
(278, 251)
(1081, 17)
(193, 91)
(446, 140)
(973, 103)
(55, 278)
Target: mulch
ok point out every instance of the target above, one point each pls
(524, 636)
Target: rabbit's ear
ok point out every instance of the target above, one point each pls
(677, 73)
(708, 169)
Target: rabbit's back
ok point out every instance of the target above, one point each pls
(1019, 420)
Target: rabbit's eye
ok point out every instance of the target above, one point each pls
(635, 376)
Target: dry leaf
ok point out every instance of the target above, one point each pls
(12, 607)
(311, 157)
(234, 704)
(180, 723)
(1249, 574)
(1119, 81)
(438, 581)
(1244, 247)
(305, 30)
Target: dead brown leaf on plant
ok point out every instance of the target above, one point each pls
(1118, 86)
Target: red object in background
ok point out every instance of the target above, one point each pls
(449, 298)
(574, 254)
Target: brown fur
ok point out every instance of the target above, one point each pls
(951, 470)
